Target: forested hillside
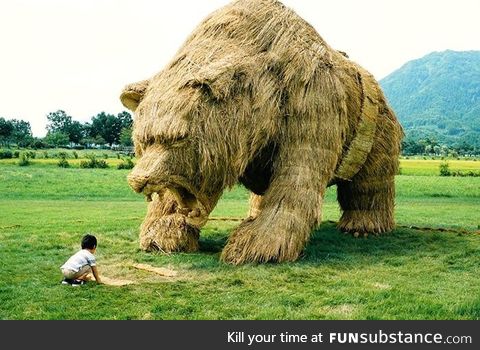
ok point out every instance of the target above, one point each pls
(437, 97)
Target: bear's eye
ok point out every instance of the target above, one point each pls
(149, 141)
(166, 140)
(172, 140)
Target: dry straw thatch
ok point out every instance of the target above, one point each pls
(256, 95)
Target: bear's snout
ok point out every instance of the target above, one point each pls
(137, 181)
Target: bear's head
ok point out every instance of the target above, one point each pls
(199, 123)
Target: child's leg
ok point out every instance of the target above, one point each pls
(68, 274)
(84, 274)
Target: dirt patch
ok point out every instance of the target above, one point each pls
(116, 282)
(158, 270)
(116, 273)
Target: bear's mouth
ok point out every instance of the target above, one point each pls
(187, 201)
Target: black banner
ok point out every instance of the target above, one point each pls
(242, 334)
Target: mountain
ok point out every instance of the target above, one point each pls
(438, 96)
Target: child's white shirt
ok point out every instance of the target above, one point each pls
(79, 259)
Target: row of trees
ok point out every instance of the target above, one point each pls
(103, 129)
(427, 146)
(14, 131)
(62, 130)
(108, 129)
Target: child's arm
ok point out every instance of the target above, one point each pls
(96, 275)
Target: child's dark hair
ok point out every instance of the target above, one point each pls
(89, 242)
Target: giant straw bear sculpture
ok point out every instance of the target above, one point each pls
(256, 96)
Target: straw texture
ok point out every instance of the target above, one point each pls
(256, 96)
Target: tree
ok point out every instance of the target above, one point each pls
(126, 137)
(58, 121)
(444, 151)
(37, 143)
(22, 132)
(98, 140)
(106, 126)
(410, 147)
(6, 129)
(16, 131)
(125, 119)
(89, 141)
(76, 132)
(61, 122)
(56, 139)
(109, 127)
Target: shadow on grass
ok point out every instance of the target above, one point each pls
(213, 243)
(327, 245)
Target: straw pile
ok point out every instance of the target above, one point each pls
(256, 95)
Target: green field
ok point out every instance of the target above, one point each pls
(431, 166)
(408, 274)
(408, 166)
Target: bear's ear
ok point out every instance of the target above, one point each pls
(133, 93)
(216, 80)
(209, 87)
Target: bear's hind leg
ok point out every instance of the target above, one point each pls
(367, 204)
(368, 200)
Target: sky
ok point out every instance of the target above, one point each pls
(77, 55)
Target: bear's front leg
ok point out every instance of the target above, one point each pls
(288, 211)
(165, 227)
(255, 202)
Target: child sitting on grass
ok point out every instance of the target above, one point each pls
(77, 269)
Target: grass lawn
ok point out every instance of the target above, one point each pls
(408, 274)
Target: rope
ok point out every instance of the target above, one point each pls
(418, 228)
